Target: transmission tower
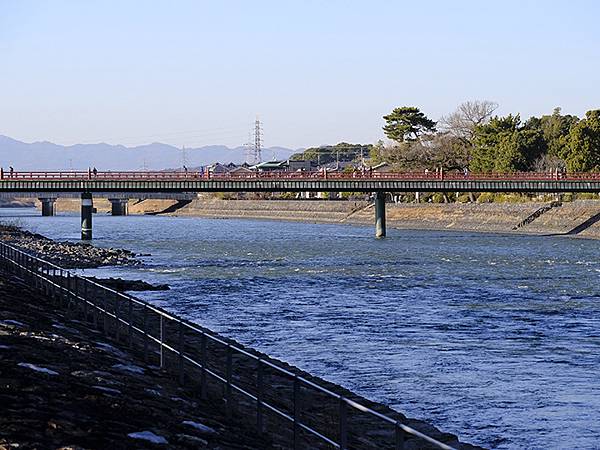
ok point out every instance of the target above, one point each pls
(249, 149)
(257, 142)
(184, 159)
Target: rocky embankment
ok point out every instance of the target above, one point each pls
(66, 254)
(121, 285)
(63, 386)
(70, 255)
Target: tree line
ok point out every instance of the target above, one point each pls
(473, 137)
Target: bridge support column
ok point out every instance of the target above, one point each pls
(119, 206)
(48, 206)
(87, 208)
(380, 214)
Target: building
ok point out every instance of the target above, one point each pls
(270, 166)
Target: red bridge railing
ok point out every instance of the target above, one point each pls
(282, 175)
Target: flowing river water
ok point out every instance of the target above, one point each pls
(493, 337)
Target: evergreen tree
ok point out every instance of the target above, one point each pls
(407, 124)
(583, 150)
(505, 145)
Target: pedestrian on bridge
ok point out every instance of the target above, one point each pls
(95, 172)
(11, 171)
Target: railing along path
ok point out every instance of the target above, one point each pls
(195, 355)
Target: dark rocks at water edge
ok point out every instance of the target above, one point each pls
(69, 255)
(121, 285)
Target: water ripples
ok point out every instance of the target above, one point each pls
(492, 337)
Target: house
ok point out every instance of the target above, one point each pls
(302, 165)
(382, 167)
(242, 172)
(270, 166)
(217, 169)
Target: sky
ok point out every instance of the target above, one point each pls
(193, 73)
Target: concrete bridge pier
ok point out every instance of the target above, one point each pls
(380, 215)
(48, 206)
(119, 206)
(87, 208)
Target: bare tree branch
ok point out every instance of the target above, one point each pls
(462, 122)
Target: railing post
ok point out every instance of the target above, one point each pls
(399, 433)
(33, 268)
(96, 312)
(297, 409)
(228, 376)
(117, 317)
(181, 349)
(85, 300)
(162, 337)
(130, 323)
(53, 287)
(76, 293)
(105, 314)
(68, 292)
(343, 424)
(259, 397)
(145, 328)
(203, 358)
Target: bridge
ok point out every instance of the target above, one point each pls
(47, 186)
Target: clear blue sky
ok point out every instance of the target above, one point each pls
(194, 73)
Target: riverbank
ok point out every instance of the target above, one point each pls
(62, 385)
(68, 255)
(576, 218)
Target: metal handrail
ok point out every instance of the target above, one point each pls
(174, 175)
(29, 264)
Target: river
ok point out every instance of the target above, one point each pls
(495, 338)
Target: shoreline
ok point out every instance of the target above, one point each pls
(481, 218)
(578, 218)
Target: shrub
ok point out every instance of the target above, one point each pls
(485, 197)
(586, 196)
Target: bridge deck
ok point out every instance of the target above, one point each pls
(179, 181)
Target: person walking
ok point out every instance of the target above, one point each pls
(95, 172)
(11, 171)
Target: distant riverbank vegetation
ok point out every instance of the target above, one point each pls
(473, 137)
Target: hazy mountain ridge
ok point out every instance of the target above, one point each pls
(155, 156)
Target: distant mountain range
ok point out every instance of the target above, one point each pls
(155, 156)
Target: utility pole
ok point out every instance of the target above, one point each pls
(257, 141)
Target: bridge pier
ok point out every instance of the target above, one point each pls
(380, 230)
(119, 206)
(48, 206)
(87, 208)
